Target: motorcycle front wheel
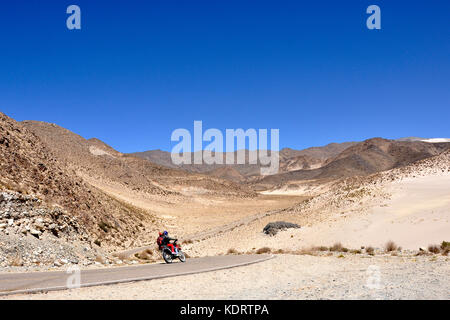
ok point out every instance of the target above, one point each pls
(182, 257)
(167, 256)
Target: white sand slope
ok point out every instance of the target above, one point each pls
(418, 214)
(436, 140)
(408, 205)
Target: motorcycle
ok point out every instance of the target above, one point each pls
(173, 251)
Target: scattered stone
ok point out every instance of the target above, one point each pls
(35, 232)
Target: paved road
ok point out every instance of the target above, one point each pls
(11, 283)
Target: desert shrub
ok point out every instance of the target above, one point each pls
(263, 250)
(279, 251)
(144, 255)
(16, 261)
(122, 256)
(321, 248)
(104, 226)
(305, 251)
(100, 259)
(434, 248)
(189, 241)
(390, 246)
(337, 247)
(355, 251)
(232, 251)
(445, 245)
(370, 250)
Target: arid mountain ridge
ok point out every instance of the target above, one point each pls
(153, 172)
(333, 161)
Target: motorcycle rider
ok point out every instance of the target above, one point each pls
(166, 241)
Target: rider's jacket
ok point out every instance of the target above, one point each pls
(166, 240)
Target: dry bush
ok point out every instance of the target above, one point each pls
(445, 245)
(434, 248)
(16, 261)
(144, 255)
(321, 248)
(232, 251)
(390, 246)
(445, 252)
(279, 251)
(100, 259)
(337, 247)
(306, 251)
(189, 241)
(370, 250)
(355, 251)
(263, 250)
(122, 256)
(341, 256)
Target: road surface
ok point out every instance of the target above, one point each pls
(12, 283)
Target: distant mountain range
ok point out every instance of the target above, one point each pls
(333, 161)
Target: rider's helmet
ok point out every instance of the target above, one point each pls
(165, 233)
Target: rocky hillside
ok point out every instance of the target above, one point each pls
(96, 159)
(29, 168)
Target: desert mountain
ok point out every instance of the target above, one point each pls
(29, 168)
(94, 160)
(290, 160)
(370, 156)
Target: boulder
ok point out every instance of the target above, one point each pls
(273, 227)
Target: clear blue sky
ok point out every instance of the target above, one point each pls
(139, 69)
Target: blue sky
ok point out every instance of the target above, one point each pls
(137, 70)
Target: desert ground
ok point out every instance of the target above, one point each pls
(291, 277)
(374, 205)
